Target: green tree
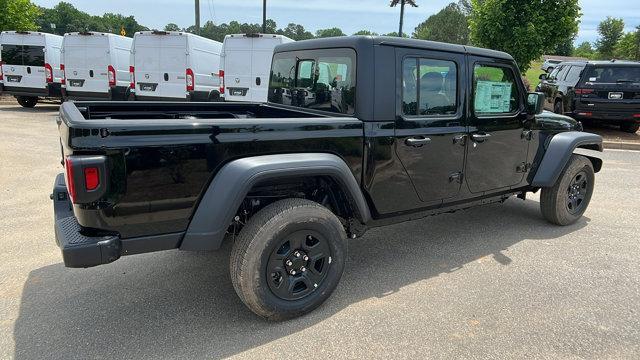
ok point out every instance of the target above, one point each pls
(66, 18)
(564, 48)
(395, 34)
(610, 30)
(627, 47)
(296, 32)
(448, 25)
(171, 27)
(18, 15)
(584, 50)
(526, 29)
(323, 33)
(366, 32)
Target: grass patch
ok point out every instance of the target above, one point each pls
(533, 73)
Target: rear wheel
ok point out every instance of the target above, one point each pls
(630, 127)
(566, 201)
(288, 258)
(27, 101)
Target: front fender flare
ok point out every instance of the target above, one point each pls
(559, 151)
(231, 184)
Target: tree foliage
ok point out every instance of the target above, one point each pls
(628, 47)
(332, 32)
(66, 18)
(584, 50)
(611, 31)
(366, 32)
(526, 29)
(18, 15)
(448, 25)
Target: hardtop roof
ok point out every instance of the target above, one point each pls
(357, 42)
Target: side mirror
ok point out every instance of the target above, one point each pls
(542, 77)
(535, 103)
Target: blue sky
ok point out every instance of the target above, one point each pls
(349, 15)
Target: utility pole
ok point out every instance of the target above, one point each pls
(198, 17)
(401, 17)
(264, 16)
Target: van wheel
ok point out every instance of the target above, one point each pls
(288, 258)
(630, 127)
(27, 101)
(566, 201)
(557, 107)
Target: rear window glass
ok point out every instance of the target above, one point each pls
(12, 54)
(315, 79)
(27, 55)
(612, 74)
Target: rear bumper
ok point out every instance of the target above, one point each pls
(81, 251)
(78, 250)
(113, 94)
(613, 116)
(52, 90)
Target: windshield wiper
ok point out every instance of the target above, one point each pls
(625, 81)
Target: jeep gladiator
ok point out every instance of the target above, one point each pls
(358, 132)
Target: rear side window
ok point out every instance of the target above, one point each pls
(574, 74)
(12, 54)
(562, 72)
(494, 90)
(27, 55)
(429, 87)
(315, 79)
(612, 74)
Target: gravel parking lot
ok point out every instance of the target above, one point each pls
(492, 282)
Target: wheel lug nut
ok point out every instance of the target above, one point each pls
(303, 269)
(288, 263)
(305, 258)
(297, 254)
(292, 272)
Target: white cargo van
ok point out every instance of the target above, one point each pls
(174, 65)
(30, 65)
(95, 66)
(246, 62)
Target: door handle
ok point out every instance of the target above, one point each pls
(417, 142)
(480, 137)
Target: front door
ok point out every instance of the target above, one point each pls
(430, 128)
(497, 151)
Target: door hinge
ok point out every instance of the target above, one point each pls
(457, 177)
(460, 139)
(523, 168)
(527, 134)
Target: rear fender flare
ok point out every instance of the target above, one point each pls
(559, 151)
(231, 184)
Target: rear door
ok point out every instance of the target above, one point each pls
(24, 60)
(430, 127)
(86, 60)
(238, 68)
(610, 90)
(160, 66)
(260, 67)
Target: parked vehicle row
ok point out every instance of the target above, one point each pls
(603, 91)
(154, 65)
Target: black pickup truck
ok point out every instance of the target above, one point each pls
(358, 132)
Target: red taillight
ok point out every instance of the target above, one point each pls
(71, 188)
(583, 91)
(636, 116)
(48, 71)
(191, 84)
(221, 75)
(1, 75)
(132, 77)
(63, 80)
(91, 178)
(585, 114)
(111, 74)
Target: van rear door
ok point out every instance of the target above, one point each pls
(237, 68)
(160, 65)
(23, 56)
(261, 66)
(86, 59)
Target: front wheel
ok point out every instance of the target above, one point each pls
(288, 258)
(27, 101)
(566, 201)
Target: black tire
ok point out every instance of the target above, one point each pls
(630, 127)
(262, 253)
(27, 101)
(557, 107)
(566, 201)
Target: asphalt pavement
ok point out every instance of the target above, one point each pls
(487, 283)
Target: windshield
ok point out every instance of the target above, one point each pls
(315, 79)
(612, 74)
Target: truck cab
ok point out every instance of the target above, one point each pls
(358, 132)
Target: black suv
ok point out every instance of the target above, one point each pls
(605, 91)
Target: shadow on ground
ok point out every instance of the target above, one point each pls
(181, 304)
(40, 108)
